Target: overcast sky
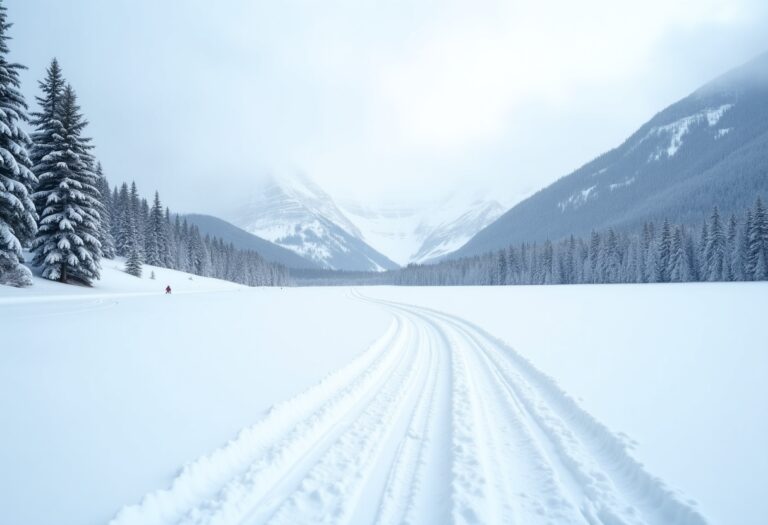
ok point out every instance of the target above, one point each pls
(376, 101)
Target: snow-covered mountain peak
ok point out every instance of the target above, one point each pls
(296, 213)
(301, 191)
(420, 233)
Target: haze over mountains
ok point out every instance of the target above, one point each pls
(710, 148)
(297, 214)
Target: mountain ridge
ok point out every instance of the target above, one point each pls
(243, 240)
(295, 213)
(709, 148)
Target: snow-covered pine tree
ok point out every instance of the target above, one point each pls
(569, 269)
(135, 216)
(677, 270)
(141, 224)
(133, 263)
(646, 248)
(733, 272)
(18, 220)
(105, 235)
(501, 268)
(154, 235)
(168, 248)
(179, 244)
(594, 257)
(701, 252)
(663, 253)
(67, 243)
(757, 244)
(714, 252)
(197, 253)
(744, 246)
(610, 260)
(123, 221)
(114, 212)
(46, 121)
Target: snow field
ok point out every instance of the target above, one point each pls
(437, 423)
(93, 421)
(679, 368)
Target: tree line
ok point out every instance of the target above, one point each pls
(732, 249)
(55, 199)
(149, 233)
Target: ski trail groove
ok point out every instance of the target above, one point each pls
(437, 422)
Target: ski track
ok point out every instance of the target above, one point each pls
(437, 422)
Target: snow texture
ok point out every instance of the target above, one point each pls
(678, 129)
(578, 199)
(438, 421)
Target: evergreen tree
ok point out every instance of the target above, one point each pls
(610, 259)
(105, 235)
(124, 222)
(677, 257)
(701, 253)
(47, 121)
(513, 265)
(17, 181)
(168, 248)
(67, 243)
(133, 263)
(645, 254)
(757, 244)
(155, 234)
(594, 256)
(196, 250)
(569, 269)
(501, 268)
(733, 270)
(714, 253)
(135, 217)
(663, 253)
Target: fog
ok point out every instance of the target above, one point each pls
(380, 102)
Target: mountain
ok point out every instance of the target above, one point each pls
(243, 240)
(451, 234)
(417, 234)
(710, 148)
(298, 215)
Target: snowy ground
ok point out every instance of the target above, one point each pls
(400, 406)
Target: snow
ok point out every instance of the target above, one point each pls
(90, 424)
(420, 233)
(679, 368)
(678, 129)
(390, 230)
(578, 199)
(389, 404)
(295, 213)
(622, 184)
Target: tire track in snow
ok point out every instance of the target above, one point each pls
(331, 489)
(193, 491)
(614, 487)
(438, 422)
(486, 490)
(420, 472)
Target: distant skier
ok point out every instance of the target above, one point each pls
(168, 289)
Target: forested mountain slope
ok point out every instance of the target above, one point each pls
(711, 148)
(243, 240)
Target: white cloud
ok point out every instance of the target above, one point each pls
(464, 79)
(403, 98)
